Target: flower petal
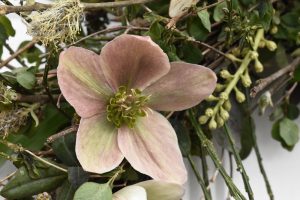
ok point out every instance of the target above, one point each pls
(151, 147)
(133, 61)
(133, 192)
(96, 145)
(162, 190)
(183, 87)
(82, 82)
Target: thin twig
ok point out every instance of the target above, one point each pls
(45, 161)
(21, 50)
(7, 177)
(6, 9)
(263, 83)
(11, 51)
(54, 137)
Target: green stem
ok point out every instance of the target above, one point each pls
(207, 144)
(207, 194)
(238, 161)
(261, 166)
(205, 169)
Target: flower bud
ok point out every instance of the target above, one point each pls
(224, 95)
(212, 124)
(227, 105)
(219, 87)
(264, 101)
(225, 74)
(236, 51)
(258, 66)
(272, 46)
(274, 30)
(224, 114)
(246, 80)
(240, 97)
(203, 119)
(220, 121)
(209, 112)
(253, 55)
(232, 57)
(211, 98)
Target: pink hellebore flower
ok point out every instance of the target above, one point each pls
(116, 94)
(150, 190)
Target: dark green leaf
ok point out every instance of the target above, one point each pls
(77, 176)
(64, 149)
(275, 131)
(4, 21)
(289, 131)
(93, 191)
(26, 79)
(297, 74)
(265, 13)
(156, 30)
(23, 186)
(191, 53)
(204, 17)
(65, 192)
(292, 111)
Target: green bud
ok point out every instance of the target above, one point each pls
(253, 55)
(233, 58)
(220, 121)
(246, 80)
(236, 51)
(224, 95)
(203, 119)
(224, 114)
(209, 112)
(272, 46)
(225, 74)
(264, 101)
(274, 30)
(212, 124)
(211, 98)
(258, 66)
(219, 87)
(240, 97)
(227, 29)
(227, 105)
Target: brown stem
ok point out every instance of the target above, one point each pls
(61, 134)
(263, 83)
(5, 9)
(21, 50)
(34, 98)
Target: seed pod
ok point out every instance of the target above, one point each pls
(246, 80)
(220, 121)
(258, 66)
(224, 114)
(227, 105)
(203, 119)
(226, 74)
(240, 97)
(272, 46)
(209, 112)
(212, 124)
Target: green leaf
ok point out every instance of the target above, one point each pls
(156, 30)
(218, 12)
(65, 192)
(4, 21)
(289, 131)
(197, 30)
(204, 17)
(22, 185)
(265, 13)
(275, 131)
(77, 176)
(26, 79)
(32, 54)
(93, 191)
(64, 149)
(191, 53)
(292, 111)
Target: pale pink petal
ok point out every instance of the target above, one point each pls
(96, 145)
(133, 192)
(133, 61)
(158, 190)
(185, 86)
(81, 81)
(151, 147)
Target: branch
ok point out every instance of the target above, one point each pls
(13, 56)
(263, 83)
(61, 134)
(5, 9)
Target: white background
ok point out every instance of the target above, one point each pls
(282, 167)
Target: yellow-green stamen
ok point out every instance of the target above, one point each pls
(126, 106)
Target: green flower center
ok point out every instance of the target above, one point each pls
(126, 106)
